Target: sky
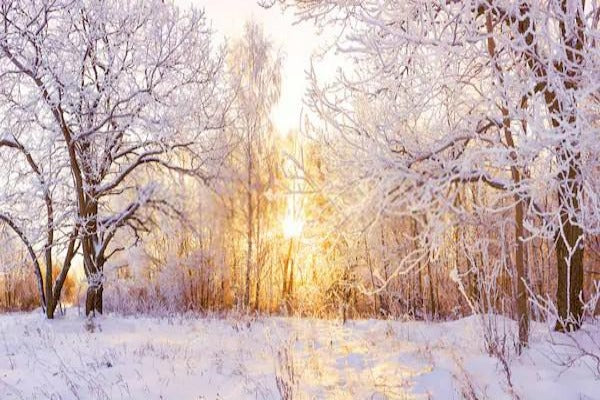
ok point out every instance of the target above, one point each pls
(296, 41)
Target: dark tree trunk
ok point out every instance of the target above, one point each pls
(569, 239)
(521, 284)
(93, 260)
(50, 307)
(569, 260)
(93, 300)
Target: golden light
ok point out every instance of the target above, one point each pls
(293, 221)
(292, 226)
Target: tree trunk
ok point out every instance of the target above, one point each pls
(249, 238)
(569, 259)
(93, 260)
(257, 291)
(521, 284)
(93, 300)
(286, 284)
(50, 306)
(522, 297)
(569, 240)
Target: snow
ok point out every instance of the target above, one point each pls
(188, 357)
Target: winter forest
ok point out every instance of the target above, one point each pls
(300, 199)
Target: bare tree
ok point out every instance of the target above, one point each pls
(122, 87)
(22, 206)
(496, 96)
(255, 73)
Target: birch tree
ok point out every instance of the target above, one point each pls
(255, 74)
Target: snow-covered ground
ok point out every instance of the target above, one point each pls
(210, 358)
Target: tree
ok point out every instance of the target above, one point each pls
(31, 198)
(122, 87)
(498, 97)
(255, 73)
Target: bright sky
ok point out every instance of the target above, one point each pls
(296, 41)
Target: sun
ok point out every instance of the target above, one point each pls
(292, 226)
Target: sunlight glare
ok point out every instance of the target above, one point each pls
(292, 226)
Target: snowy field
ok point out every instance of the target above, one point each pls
(210, 358)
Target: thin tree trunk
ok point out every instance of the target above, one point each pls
(521, 284)
(249, 232)
(522, 297)
(569, 254)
